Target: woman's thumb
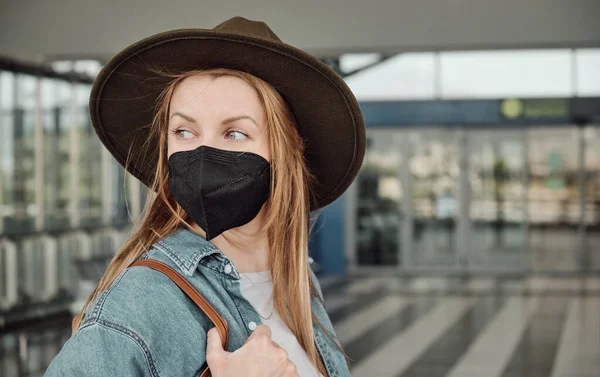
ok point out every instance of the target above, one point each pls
(214, 348)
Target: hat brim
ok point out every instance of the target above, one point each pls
(123, 98)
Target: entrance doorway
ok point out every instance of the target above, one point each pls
(511, 200)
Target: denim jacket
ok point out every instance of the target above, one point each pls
(144, 325)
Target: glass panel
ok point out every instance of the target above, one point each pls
(592, 206)
(19, 123)
(379, 196)
(481, 74)
(588, 74)
(90, 173)
(56, 155)
(406, 76)
(7, 160)
(26, 91)
(88, 67)
(7, 90)
(66, 124)
(352, 62)
(22, 206)
(497, 211)
(493, 74)
(553, 196)
(435, 177)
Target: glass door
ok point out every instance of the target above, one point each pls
(497, 173)
(554, 195)
(378, 201)
(434, 197)
(591, 241)
(455, 199)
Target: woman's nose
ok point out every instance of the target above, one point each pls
(210, 140)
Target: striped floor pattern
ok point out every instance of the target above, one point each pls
(435, 327)
(477, 327)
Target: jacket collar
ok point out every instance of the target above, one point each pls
(186, 249)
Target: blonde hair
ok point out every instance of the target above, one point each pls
(287, 220)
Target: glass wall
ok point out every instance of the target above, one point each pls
(18, 120)
(591, 244)
(379, 201)
(57, 122)
(514, 200)
(434, 180)
(90, 177)
(497, 172)
(529, 195)
(555, 208)
(46, 120)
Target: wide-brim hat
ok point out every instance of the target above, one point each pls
(125, 92)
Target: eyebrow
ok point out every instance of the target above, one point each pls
(189, 119)
(236, 118)
(226, 121)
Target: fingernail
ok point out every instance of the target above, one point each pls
(212, 330)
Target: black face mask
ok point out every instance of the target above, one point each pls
(219, 189)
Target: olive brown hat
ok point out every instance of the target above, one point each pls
(125, 92)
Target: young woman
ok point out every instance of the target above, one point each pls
(240, 137)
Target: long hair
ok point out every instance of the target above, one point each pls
(287, 220)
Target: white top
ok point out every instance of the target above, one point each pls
(257, 288)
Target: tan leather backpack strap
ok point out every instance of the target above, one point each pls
(219, 322)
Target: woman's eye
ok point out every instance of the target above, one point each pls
(236, 135)
(183, 134)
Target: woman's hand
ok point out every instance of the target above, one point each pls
(258, 357)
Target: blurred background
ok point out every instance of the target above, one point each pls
(468, 245)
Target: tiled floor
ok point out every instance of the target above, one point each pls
(471, 328)
(434, 327)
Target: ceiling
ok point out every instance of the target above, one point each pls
(74, 29)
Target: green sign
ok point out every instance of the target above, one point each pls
(534, 108)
